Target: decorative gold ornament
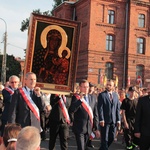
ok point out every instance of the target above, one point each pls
(64, 36)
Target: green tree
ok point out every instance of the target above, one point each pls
(25, 23)
(57, 3)
(13, 66)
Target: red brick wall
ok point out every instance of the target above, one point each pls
(92, 52)
(135, 59)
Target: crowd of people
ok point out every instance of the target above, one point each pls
(27, 113)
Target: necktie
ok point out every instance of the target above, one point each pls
(86, 99)
(111, 98)
(31, 93)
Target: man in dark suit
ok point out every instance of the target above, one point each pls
(109, 115)
(142, 122)
(84, 115)
(26, 104)
(92, 92)
(7, 93)
(59, 121)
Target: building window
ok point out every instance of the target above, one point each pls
(110, 42)
(99, 76)
(141, 21)
(109, 70)
(140, 71)
(140, 45)
(111, 17)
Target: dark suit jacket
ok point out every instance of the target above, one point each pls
(108, 111)
(56, 114)
(19, 111)
(80, 118)
(6, 100)
(142, 120)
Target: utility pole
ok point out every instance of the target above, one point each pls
(3, 73)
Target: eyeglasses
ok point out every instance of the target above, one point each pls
(14, 82)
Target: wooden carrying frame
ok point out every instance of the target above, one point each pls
(52, 52)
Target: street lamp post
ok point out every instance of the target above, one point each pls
(3, 73)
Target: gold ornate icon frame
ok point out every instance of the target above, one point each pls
(55, 70)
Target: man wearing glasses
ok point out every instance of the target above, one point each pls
(84, 116)
(7, 93)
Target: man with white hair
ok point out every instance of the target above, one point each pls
(28, 139)
(7, 93)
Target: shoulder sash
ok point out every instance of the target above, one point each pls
(64, 110)
(11, 91)
(30, 102)
(87, 108)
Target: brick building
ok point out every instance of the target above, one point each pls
(115, 38)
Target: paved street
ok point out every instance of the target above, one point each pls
(96, 142)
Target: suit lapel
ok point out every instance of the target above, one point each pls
(89, 97)
(107, 97)
(90, 101)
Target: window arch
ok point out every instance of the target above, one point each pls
(140, 45)
(109, 70)
(140, 71)
(141, 20)
(111, 17)
(110, 42)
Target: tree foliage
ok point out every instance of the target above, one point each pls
(57, 3)
(25, 23)
(13, 67)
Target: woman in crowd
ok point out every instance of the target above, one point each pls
(10, 135)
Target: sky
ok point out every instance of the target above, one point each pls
(13, 12)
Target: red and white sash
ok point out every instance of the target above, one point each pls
(87, 108)
(11, 91)
(64, 110)
(92, 136)
(30, 103)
